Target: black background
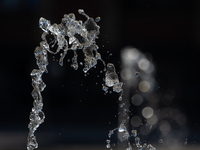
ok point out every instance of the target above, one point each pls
(74, 104)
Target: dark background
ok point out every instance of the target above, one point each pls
(76, 109)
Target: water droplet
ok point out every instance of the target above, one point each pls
(122, 105)
(122, 128)
(108, 145)
(160, 140)
(137, 74)
(44, 24)
(145, 145)
(111, 77)
(80, 11)
(124, 121)
(134, 133)
(137, 140)
(97, 19)
(107, 141)
(120, 98)
(104, 88)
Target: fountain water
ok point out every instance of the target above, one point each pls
(81, 36)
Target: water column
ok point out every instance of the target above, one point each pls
(128, 74)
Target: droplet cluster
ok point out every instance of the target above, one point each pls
(112, 81)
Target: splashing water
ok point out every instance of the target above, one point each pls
(81, 36)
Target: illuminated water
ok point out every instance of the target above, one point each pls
(81, 36)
